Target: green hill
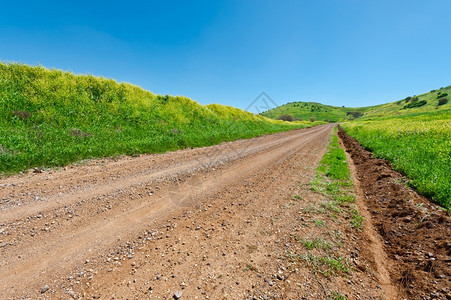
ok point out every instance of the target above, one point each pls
(52, 118)
(423, 103)
(307, 110)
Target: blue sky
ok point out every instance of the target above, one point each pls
(338, 52)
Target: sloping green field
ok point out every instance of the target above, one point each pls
(307, 110)
(427, 102)
(52, 118)
(407, 106)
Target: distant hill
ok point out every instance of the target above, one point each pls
(427, 102)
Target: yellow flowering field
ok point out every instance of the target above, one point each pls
(418, 146)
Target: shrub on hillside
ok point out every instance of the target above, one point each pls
(354, 114)
(288, 118)
(312, 119)
(408, 99)
(415, 104)
(441, 95)
(442, 101)
(357, 114)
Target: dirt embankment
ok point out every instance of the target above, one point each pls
(416, 232)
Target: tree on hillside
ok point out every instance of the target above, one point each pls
(288, 118)
(441, 95)
(357, 114)
(442, 101)
(354, 114)
(415, 104)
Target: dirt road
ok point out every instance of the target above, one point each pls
(214, 222)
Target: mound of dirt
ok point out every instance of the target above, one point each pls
(416, 232)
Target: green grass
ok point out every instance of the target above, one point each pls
(328, 265)
(319, 223)
(334, 164)
(336, 296)
(418, 146)
(51, 118)
(333, 177)
(357, 219)
(316, 243)
(333, 180)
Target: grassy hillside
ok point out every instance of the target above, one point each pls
(52, 118)
(306, 110)
(401, 107)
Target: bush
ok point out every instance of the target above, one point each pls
(415, 104)
(312, 119)
(288, 118)
(357, 114)
(354, 114)
(441, 95)
(408, 99)
(442, 101)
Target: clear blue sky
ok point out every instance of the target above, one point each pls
(338, 52)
